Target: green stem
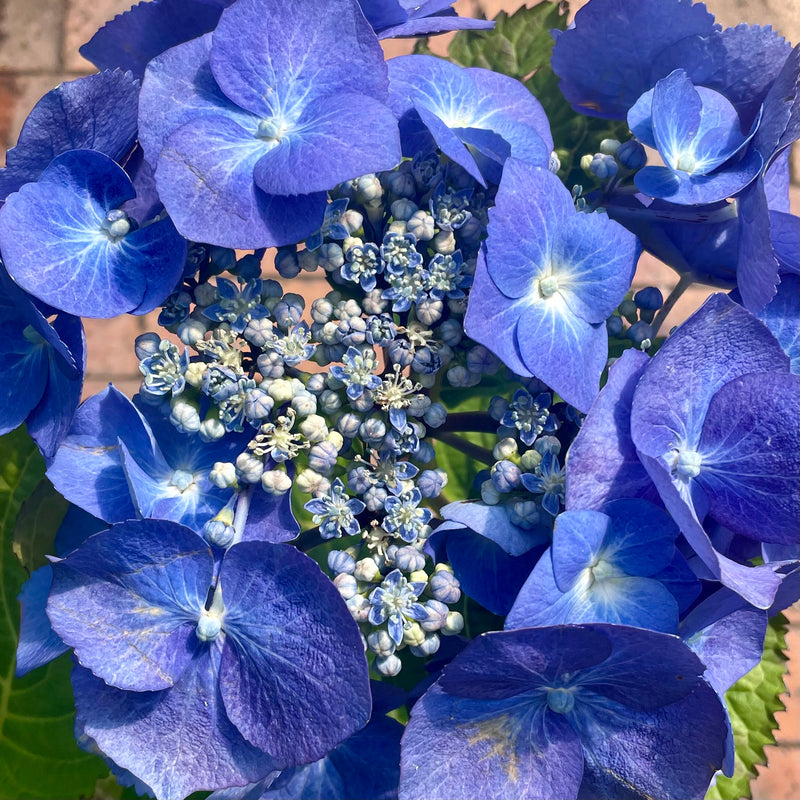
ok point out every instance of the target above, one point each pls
(468, 421)
(467, 448)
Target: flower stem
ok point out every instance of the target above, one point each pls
(680, 287)
(463, 446)
(472, 421)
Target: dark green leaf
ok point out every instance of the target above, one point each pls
(752, 702)
(38, 754)
(37, 524)
(519, 43)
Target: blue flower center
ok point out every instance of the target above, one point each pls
(687, 464)
(116, 224)
(561, 700)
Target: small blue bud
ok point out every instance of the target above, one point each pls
(146, 345)
(431, 482)
(322, 457)
(374, 498)
(428, 647)
(639, 332)
(649, 298)
(505, 476)
(632, 155)
(217, 533)
(341, 562)
(437, 616)
(409, 559)
(614, 325)
(603, 166)
(444, 586)
(286, 263)
(425, 453)
(451, 332)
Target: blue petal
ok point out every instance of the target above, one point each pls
(128, 600)
(782, 317)
(205, 179)
(603, 464)
(578, 538)
(493, 523)
(594, 258)
(50, 420)
(38, 643)
(684, 189)
(133, 38)
(562, 350)
(530, 207)
(486, 749)
(431, 25)
(272, 61)
(604, 80)
(750, 447)
(97, 112)
(87, 469)
(178, 740)
(293, 674)
(178, 87)
(329, 152)
(53, 241)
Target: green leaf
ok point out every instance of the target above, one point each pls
(752, 702)
(519, 43)
(37, 524)
(39, 757)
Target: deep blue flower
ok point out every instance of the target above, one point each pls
(568, 711)
(42, 367)
(66, 240)
(189, 693)
(395, 602)
(550, 278)
(390, 18)
(403, 516)
(228, 118)
(476, 117)
(604, 567)
(697, 132)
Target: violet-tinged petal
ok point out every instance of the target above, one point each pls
(577, 542)
(486, 572)
(433, 25)
(782, 316)
(38, 642)
(272, 61)
(602, 464)
(87, 468)
(330, 152)
(757, 269)
(727, 634)
(449, 143)
(493, 523)
(97, 112)
(178, 87)
(780, 123)
(133, 38)
(750, 449)
(293, 674)
(128, 600)
(685, 738)
(785, 239)
(504, 665)
(205, 178)
(716, 344)
(50, 420)
(177, 740)
(606, 80)
(270, 519)
(382, 14)
(364, 767)
(486, 749)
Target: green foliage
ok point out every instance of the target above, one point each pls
(518, 44)
(38, 754)
(37, 524)
(752, 702)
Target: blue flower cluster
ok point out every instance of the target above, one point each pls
(456, 487)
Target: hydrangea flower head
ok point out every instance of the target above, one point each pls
(248, 126)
